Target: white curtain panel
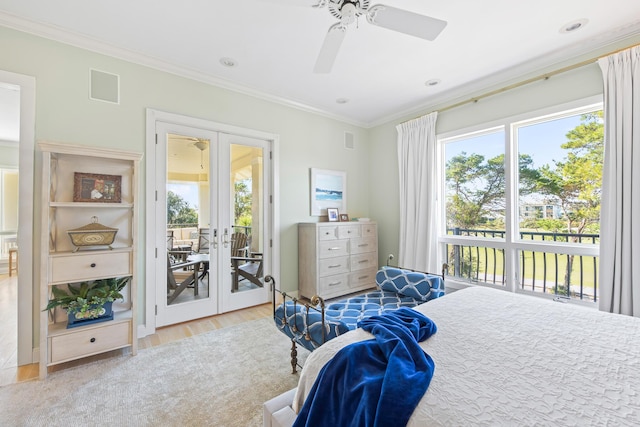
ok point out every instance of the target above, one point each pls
(620, 214)
(419, 211)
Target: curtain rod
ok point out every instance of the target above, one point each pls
(544, 76)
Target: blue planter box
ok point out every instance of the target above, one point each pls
(72, 322)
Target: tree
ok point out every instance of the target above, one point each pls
(477, 187)
(179, 211)
(575, 183)
(242, 203)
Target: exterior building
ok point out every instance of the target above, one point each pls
(540, 211)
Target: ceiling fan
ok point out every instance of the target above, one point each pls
(347, 11)
(199, 143)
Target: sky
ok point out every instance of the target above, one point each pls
(541, 141)
(188, 191)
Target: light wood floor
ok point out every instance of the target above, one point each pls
(12, 374)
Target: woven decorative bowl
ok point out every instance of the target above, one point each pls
(93, 234)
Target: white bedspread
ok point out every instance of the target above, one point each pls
(516, 360)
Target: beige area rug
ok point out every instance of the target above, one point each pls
(219, 378)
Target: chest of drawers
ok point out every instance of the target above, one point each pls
(336, 258)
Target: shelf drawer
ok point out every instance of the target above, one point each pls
(363, 245)
(364, 261)
(369, 230)
(333, 248)
(77, 344)
(349, 231)
(362, 278)
(327, 233)
(331, 266)
(330, 285)
(79, 267)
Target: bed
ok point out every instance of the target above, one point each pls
(511, 359)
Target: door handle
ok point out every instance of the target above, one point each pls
(214, 241)
(225, 240)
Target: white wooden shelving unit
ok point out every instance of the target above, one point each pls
(62, 263)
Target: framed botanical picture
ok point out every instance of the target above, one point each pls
(332, 213)
(344, 217)
(91, 187)
(328, 190)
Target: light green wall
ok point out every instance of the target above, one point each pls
(65, 113)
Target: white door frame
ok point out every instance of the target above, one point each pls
(26, 353)
(151, 273)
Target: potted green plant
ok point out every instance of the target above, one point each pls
(88, 302)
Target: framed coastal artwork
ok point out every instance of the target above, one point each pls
(328, 190)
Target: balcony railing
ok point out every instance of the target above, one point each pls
(562, 274)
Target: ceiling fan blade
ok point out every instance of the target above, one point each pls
(406, 22)
(330, 47)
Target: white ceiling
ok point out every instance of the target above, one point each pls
(381, 72)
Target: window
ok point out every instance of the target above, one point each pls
(523, 203)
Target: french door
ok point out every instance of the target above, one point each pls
(210, 222)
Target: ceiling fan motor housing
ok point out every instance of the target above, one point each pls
(348, 10)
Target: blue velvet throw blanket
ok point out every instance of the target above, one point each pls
(376, 382)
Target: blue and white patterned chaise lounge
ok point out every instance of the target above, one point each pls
(312, 323)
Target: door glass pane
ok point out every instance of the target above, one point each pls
(187, 219)
(247, 242)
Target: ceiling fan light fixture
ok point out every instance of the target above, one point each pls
(573, 26)
(201, 144)
(348, 11)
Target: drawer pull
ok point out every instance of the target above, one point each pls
(335, 266)
(349, 232)
(362, 277)
(363, 245)
(334, 249)
(334, 283)
(92, 340)
(364, 261)
(93, 264)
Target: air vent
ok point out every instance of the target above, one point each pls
(104, 86)
(349, 141)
